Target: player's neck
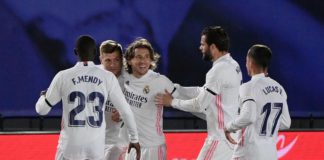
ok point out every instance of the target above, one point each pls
(138, 75)
(218, 55)
(256, 71)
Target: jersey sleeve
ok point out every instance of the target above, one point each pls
(285, 119)
(247, 116)
(248, 111)
(168, 85)
(222, 77)
(197, 104)
(205, 96)
(52, 96)
(118, 99)
(189, 93)
(186, 92)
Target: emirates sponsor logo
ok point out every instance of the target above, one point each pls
(282, 148)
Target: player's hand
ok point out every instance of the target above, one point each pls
(163, 99)
(115, 116)
(229, 137)
(137, 147)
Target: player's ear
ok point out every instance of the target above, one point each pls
(253, 61)
(100, 56)
(213, 46)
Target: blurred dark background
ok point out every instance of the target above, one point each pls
(37, 40)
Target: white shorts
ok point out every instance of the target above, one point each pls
(115, 152)
(149, 153)
(215, 150)
(59, 155)
(239, 158)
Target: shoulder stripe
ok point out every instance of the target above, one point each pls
(210, 91)
(47, 102)
(174, 89)
(248, 100)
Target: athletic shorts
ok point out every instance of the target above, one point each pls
(59, 155)
(149, 153)
(238, 158)
(215, 150)
(114, 152)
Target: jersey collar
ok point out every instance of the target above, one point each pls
(85, 63)
(226, 56)
(257, 76)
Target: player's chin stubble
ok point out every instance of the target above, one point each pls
(207, 56)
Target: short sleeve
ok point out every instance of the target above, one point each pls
(53, 94)
(214, 81)
(168, 85)
(246, 92)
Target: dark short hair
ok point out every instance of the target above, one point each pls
(110, 46)
(261, 54)
(85, 47)
(216, 35)
(140, 43)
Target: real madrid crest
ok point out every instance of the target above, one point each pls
(146, 89)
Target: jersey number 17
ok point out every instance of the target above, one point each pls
(267, 109)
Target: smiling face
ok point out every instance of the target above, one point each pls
(141, 62)
(112, 62)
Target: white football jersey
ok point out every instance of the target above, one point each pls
(220, 97)
(219, 100)
(264, 111)
(140, 93)
(112, 127)
(84, 90)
